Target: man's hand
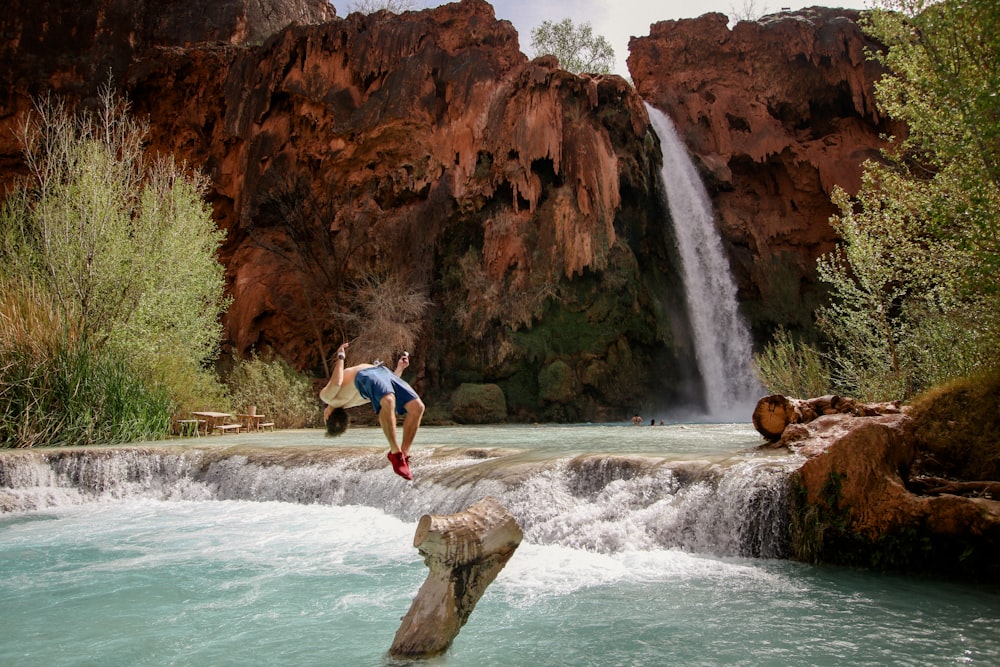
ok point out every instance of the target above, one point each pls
(342, 351)
(403, 363)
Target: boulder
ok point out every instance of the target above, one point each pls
(557, 383)
(478, 404)
(852, 505)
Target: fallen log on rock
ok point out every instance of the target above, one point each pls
(465, 552)
(775, 412)
(935, 486)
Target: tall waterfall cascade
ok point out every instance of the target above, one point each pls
(723, 346)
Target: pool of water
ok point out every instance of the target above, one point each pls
(548, 440)
(245, 583)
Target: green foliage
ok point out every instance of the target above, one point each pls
(791, 367)
(577, 48)
(945, 82)
(278, 391)
(56, 389)
(915, 299)
(124, 247)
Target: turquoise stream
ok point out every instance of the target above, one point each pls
(147, 574)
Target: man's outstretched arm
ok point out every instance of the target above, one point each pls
(337, 378)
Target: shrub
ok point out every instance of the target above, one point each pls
(278, 391)
(957, 428)
(792, 368)
(123, 248)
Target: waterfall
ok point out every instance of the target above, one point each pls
(597, 502)
(723, 347)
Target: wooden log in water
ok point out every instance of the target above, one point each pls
(775, 412)
(464, 552)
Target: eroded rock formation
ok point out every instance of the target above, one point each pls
(422, 149)
(858, 501)
(777, 112)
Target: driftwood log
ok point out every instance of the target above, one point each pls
(936, 486)
(775, 412)
(465, 552)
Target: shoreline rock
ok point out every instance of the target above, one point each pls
(857, 500)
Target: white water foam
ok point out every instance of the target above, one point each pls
(602, 504)
(723, 346)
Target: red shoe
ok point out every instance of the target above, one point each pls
(399, 465)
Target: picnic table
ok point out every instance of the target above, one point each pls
(217, 421)
(254, 422)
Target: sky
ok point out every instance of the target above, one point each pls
(618, 20)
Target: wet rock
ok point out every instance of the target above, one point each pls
(852, 505)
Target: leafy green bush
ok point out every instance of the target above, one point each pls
(792, 368)
(913, 284)
(119, 252)
(278, 391)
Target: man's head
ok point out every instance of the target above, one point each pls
(336, 422)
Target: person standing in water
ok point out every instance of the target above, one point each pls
(388, 394)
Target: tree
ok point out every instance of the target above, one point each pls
(914, 295)
(123, 244)
(747, 10)
(372, 6)
(944, 84)
(384, 312)
(577, 48)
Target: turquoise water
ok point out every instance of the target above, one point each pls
(172, 576)
(676, 440)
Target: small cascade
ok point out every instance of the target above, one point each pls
(602, 503)
(723, 346)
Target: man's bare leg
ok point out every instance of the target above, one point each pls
(414, 413)
(387, 419)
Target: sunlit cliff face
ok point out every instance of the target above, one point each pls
(777, 113)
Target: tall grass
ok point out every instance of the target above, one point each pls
(56, 390)
(792, 368)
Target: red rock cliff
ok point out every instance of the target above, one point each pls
(421, 150)
(424, 152)
(777, 112)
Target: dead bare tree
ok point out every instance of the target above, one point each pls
(747, 10)
(293, 225)
(386, 310)
(378, 311)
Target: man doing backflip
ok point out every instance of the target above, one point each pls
(389, 395)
